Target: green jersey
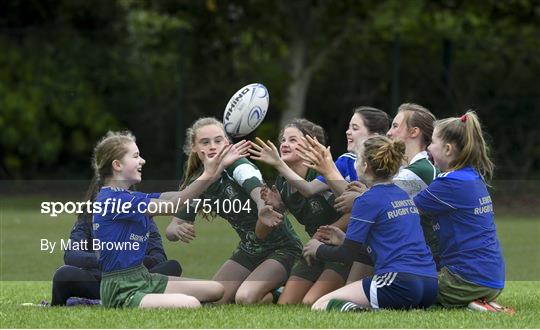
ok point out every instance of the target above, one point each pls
(229, 197)
(414, 178)
(312, 212)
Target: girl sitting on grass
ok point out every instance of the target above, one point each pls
(258, 266)
(385, 219)
(125, 221)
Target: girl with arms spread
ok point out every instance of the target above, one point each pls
(258, 266)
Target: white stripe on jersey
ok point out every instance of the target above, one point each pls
(246, 171)
(363, 220)
(349, 155)
(437, 198)
(117, 214)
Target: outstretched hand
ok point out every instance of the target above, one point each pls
(265, 152)
(269, 217)
(184, 231)
(213, 166)
(316, 156)
(310, 250)
(272, 197)
(330, 235)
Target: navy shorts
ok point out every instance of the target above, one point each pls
(400, 290)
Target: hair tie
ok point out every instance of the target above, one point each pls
(463, 118)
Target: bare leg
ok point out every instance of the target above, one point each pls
(268, 276)
(353, 292)
(169, 300)
(329, 281)
(359, 271)
(204, 291)
(230, 276)
(294, 291)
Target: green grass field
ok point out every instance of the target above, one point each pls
(26, 272)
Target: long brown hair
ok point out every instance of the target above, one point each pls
(418, 116)
(375, 120)
(307, 128)
(466, 134)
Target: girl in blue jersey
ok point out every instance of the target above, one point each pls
(385, 219)
(121, 224)
(471, 258)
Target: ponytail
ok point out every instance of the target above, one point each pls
(382, 155)
(465, 133)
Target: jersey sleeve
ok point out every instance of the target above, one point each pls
(81, 231)
(437, 198)
(129, 206)
(155, 253)
(145, 195)
(363, 215)
(342, 166)
(246, 174)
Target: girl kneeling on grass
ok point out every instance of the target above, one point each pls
(124, 222)
(471, 259)
(257, 266)
(385, 219)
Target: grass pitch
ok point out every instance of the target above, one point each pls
(26, 272)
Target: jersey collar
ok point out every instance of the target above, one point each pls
(419, 156)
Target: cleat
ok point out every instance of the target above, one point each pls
(76, 301)
(502, 309)
(43, 303)
(481, 306)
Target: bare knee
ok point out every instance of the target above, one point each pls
(309, 300)
(192, 302)
(215, 291)
(246, 297)
(319, 305)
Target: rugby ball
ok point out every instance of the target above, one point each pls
(246, 110)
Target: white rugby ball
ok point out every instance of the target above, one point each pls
(246, 110)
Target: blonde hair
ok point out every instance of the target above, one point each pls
(465, 133)
(382, 155)
(193, 164)
(418, 116)
(110, 147)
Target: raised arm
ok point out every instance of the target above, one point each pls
(267, 152)
(171, 202)
(319, 158)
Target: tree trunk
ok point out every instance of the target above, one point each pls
(299, 84)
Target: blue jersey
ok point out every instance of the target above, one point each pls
(385, 219)
(346, 165)
(469, 247)
(119, 225)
